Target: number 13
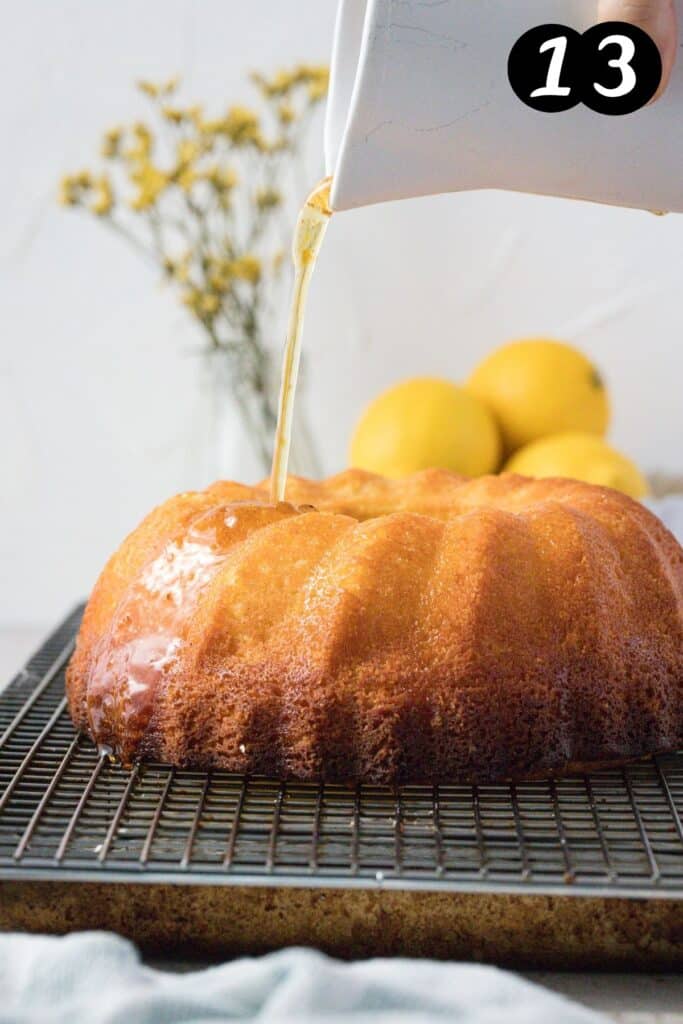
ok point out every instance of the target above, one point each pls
(621, 63)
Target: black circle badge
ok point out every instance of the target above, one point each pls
(613, 68)
(622, 68)
(544, 68)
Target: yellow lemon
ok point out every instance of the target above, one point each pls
(581, 457)
(539, 387)
(426, 422)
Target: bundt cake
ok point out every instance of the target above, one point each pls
(424, 630)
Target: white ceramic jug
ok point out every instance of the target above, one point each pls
(420, 103)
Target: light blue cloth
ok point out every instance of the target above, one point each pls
(97, 978)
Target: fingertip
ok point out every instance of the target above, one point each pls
(658, 19)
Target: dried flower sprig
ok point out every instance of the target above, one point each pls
(203, 197)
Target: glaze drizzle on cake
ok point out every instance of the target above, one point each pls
(423, 630)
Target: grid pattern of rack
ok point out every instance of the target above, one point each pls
(66, 812)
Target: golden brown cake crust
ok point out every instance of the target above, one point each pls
(424, 630)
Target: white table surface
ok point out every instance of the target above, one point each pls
(627, 998)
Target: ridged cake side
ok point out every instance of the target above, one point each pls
(423, 630)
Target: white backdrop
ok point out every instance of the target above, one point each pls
(100, 409)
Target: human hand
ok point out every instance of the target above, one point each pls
(657, 18)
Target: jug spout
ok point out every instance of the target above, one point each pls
(420, 103)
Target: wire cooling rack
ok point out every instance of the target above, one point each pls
(68, 813)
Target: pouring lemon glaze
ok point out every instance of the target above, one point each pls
(423, 105)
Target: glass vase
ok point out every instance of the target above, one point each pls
(240, 421)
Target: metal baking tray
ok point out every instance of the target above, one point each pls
(578, 871)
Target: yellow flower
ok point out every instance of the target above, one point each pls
(286, 113)
(317, 78)
(317, 90)
(313, 73)
(174, 114)
(186, 173)
(261, 82)
(222, 178)
(267, 198)
(200, 151)
(72, 188)
(314, 76)
(202, 304)
(182, 270)
(104, 197)
(155, 90)
(247, 268)
(210, 303)
(142, 144)
(214, 126)
(178, 268)
(188, 150)
(111, 143)
(68, 194)
(186, 177)
(219, 282)
(242, 127)
(280, 84)
(150, 181)
(149, 88)
(219, 274)
(191, 298)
